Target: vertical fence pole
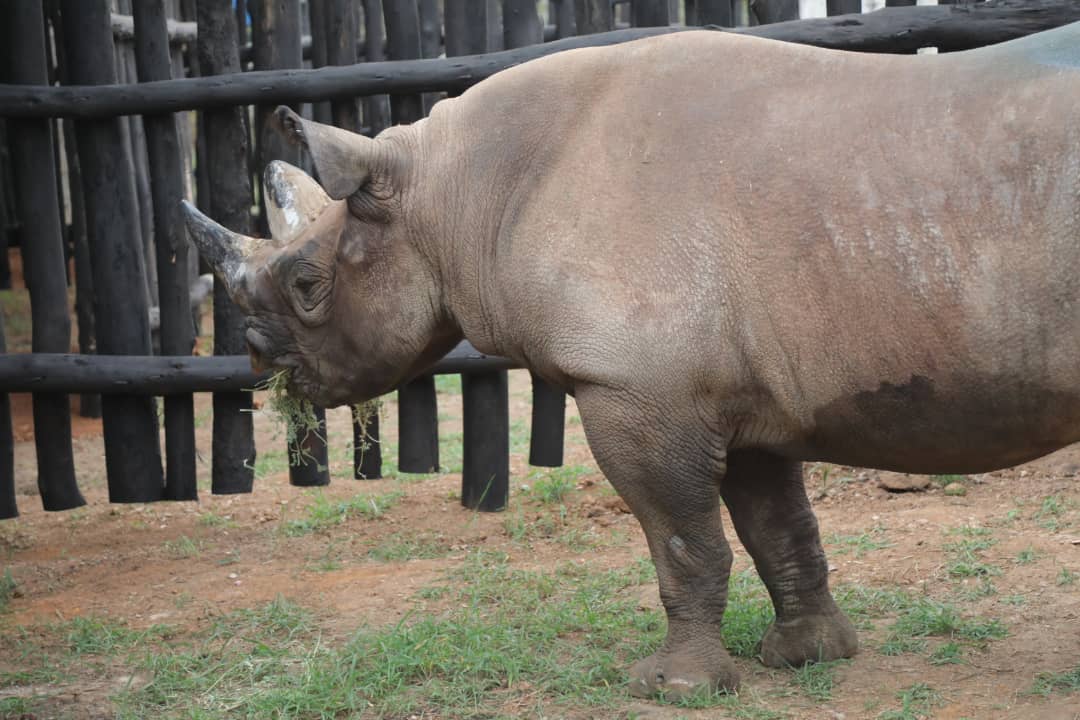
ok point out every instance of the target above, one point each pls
(89, 403)
(466, 28)
(485, 474)
(842, 7)
(494, 26)
(276, 45)
(376, 107)
(649, 13)
(521, 24)
(771, 11)
(226, 195)
(167, 190)
(564, 19)
(132, 452)
(418, 423)
(713, 12)
(319, 29)
(45, 268)
(8, 507)
(593, 16)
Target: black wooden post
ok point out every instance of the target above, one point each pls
(227, 197)
(376, 107)
(341, 34)
(466, 27)
(900, 3)
(649, 13)
(8, 507)
(714, 12)
(494, 25)
(167, 190)
(89, 404)
(418, 424)
(564, 18)
(593, 16)
(771, 11)
(843, 7)
(485, 475)
(43, 252)
(319, 40)
(276, 44)
(521, 23)
(132, 452)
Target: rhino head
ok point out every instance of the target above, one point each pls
(341, 294)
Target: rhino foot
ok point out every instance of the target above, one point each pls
(810, 638)
(682, 672)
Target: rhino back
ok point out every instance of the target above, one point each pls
(859, 258)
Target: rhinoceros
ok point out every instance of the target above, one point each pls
(737, 255)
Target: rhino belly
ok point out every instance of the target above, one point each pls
(953, 425)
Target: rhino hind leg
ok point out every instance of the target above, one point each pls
(667, 477)
(765, 495)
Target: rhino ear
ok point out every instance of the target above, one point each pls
(345, 160)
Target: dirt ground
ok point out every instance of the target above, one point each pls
(184, 564)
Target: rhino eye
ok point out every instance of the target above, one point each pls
(310, 291)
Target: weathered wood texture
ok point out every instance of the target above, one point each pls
(123, 28)
(9, 508)
(132, 452)
(228, 199)
(89, 404)
(713, 12)
(376, 107)
(649, 13)
(897, 30)
(843, 7)
(418, 425)
(521, 23)
(485, 473)
(466, 28)
(275, 38)
(44, 269)
(766, 12)
(593, 16)
(158, 375)
(167, 190)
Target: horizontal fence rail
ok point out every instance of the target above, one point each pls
(162, 375)
(893, 29)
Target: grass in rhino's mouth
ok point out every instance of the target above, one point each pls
(301, 422)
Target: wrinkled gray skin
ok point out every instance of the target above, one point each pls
(868, 260)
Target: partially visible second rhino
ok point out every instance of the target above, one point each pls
(868, 260)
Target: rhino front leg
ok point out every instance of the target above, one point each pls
(666, 469)
(772, 516)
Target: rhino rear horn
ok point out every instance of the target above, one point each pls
(344, 159)
(293, 201)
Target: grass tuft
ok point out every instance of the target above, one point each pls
(8, 590)
(1063, 682)
(324, 513)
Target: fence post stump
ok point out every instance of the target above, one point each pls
(485, 473)
(167, 190)
(132, 451)
(650, 13)
(8, 507)
(227, 198)
(843, 7)
(713, 12)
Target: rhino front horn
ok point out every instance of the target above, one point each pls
(225, 250)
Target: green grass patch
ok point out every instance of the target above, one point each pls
(816, 680)
(1063, 682)
(916, 702)
(8, 590)
(858, 544)
(1066, 577)
(552, 486)
(408, 546)
(325, 513)
(950, 653)
(965, 554)
(182, 548)
(557, 640)
(749, 612)
(1026, 556)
